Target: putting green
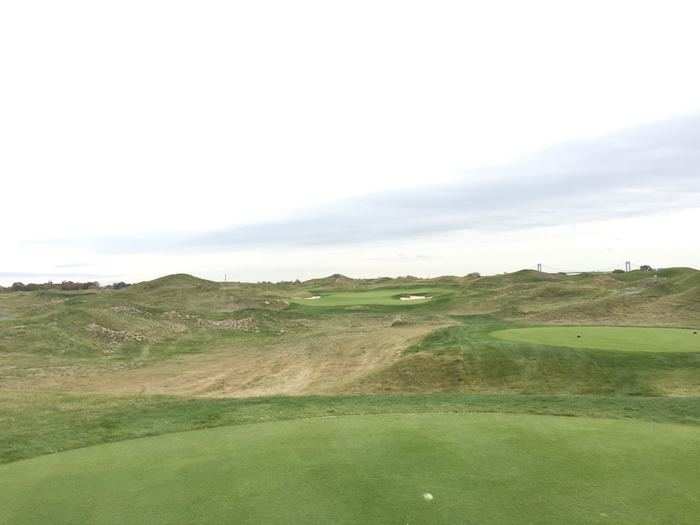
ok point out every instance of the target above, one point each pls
(479, 468)
(607, 338)
(386, 296)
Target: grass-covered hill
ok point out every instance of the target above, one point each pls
(337, 334)
(344, 400)
(195, 339)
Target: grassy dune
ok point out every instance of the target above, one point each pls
(180, 335)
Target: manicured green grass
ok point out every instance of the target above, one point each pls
(479, 361)
(34, 424)
(383, 296)
(608, 338)
(479, 468)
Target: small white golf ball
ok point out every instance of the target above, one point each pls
(428, 496)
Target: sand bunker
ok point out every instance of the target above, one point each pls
(414, 297)
(312, 298)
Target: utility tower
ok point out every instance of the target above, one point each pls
(628, 266)
(539, 267)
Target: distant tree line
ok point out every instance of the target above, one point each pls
(64, 285)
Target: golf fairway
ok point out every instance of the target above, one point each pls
(617, 338)
(478, 468)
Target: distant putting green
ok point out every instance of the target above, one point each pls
(385, 296)
(429, 468)
(608, 338)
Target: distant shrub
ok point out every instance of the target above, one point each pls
(617, 270)
(65, 285)
(70, 285)
(474, 274)
(646, 268)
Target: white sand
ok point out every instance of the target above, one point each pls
(414, 298)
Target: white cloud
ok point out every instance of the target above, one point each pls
(143, 117)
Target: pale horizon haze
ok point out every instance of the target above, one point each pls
(280, 141)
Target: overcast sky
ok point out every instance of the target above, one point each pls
(283, 140)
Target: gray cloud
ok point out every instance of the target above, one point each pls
(647, 170)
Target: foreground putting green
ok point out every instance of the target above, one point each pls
(429, 468)
(385, 296)
(628, 339)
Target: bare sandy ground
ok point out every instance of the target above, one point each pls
(313, 364)
(415, 298)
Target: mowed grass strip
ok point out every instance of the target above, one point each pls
(45, 423)
(384, 296)
(478, 468)
(627, 339)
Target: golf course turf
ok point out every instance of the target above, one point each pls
(479, 468)
(631, 339)
(513, 398)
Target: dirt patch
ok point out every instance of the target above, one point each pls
(127, 309)
(174, 327)
(114, 336)
(175, 315)
(329, 359)
(247, 324)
